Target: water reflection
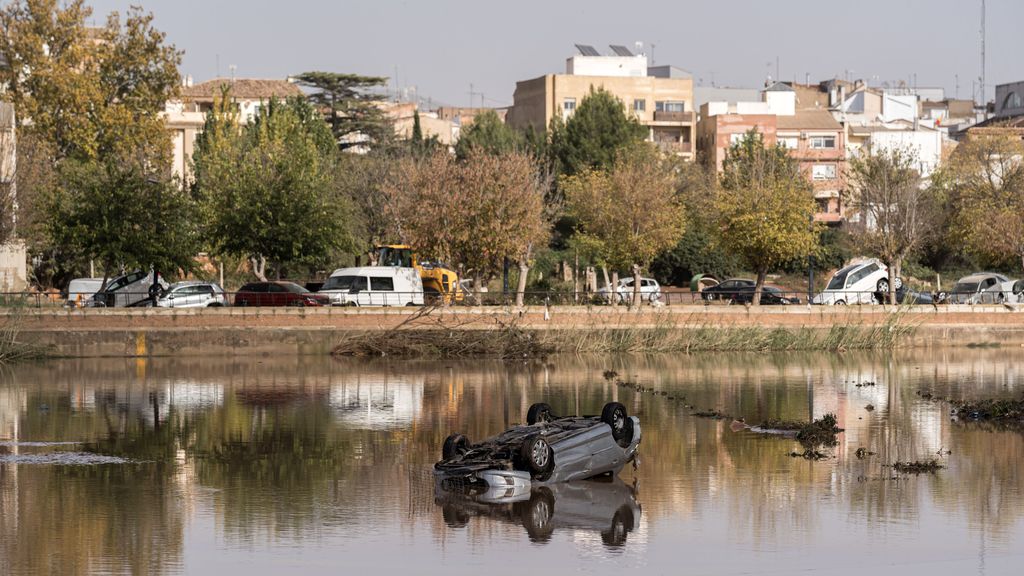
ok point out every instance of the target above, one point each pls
(317, 463)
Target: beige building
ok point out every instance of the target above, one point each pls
(185, 117)
(661, 98)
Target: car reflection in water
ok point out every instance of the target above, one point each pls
(606, 505)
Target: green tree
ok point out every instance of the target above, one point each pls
(267, 188)
(897, 213)
(489, 135)
(90, 94)
(121, 216)
(984, 181)
(351, 106)
(595, 134)
(764, 207)
(630, 213)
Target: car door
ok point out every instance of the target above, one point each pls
(989, 291)
(361, 288)
(382, 289)
(276, 295)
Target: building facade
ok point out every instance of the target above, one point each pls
(660, 98)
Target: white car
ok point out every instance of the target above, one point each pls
(863, 282)
(80, 290)
(374, 286)
(650, 290)
(193, 294)
(986, 288)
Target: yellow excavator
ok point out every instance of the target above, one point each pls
(439, 281)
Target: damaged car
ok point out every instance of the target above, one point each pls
(547, 449)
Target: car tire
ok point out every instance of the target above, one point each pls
(214, 305)
(883, 286)
(539, 412)
(839, 303)
(454, 445)
(537, 513)
(1018, 287)
(538, 457)
(614, 415)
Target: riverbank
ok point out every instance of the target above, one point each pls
(251, 331)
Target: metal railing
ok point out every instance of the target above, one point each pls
(476, 299)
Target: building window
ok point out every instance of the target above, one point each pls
(823, 142)
(789, 143)
(639, 105)
(568, 107)
(735, 139)
(669, 106)
(823, 172)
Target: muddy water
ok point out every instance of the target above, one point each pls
(315, 466)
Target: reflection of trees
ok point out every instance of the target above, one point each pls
(279, 442)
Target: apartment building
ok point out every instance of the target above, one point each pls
(812, 136)
(659, 97)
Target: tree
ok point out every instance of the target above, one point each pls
(897, 212)
(121, 216)
(593, 136)
(764, 207)
(488, 134)
(350, 105)
(985, 182)
(630, 213)
(267, 188)
(90, 94)
(475, 213)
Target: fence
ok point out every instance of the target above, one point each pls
(772, 297)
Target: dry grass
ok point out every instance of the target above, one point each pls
(13, 348)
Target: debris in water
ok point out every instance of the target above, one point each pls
(809, 454)
(610, 375)
(870, 407)
(918, 467)
(863, 453)
(864, 384)
(1004, 412)
(712, 414)
(62, 459)
(820, 432)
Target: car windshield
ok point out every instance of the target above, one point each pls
(338, 283)
(965, 288)
(775, 291)
(838, 282)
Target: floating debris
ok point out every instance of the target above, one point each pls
(821, 432)
(870, 407)
(712, 414)
(863, 453)
(12, 444)
(864, 384)
(62, 459)
(809, 454)
(1006, 412)
(611, 375)
(918, 467)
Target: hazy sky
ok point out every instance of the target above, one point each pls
(442, 47)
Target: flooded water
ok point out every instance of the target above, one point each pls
(318, 466)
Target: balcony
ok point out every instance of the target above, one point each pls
(678, 117)
(674, 147)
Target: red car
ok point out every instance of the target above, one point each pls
(278, 294)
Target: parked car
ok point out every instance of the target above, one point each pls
(608, 507)
(278, 294)
(374, 286)
(128, 290)
(986, 288)
(193, 294)
(863, 282)
(727, 290)
(547, 449)
(80, 290)
(770, 296)
(650, 290)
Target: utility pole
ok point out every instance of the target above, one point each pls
(984, 101)
(474, 93)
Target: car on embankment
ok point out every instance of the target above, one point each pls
(278, 293)
(374, 286)
(193, 294)
(862, 282)
(546, 449)
(986, 288)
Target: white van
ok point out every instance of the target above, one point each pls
(374, 286)
(81, 289)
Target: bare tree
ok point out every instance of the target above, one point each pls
(897, 211)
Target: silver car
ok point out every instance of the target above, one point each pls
(193, 294)
(607, 506)
(128, 290)
(547, 449)
(986, 288)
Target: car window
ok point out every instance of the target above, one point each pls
(965, 288)
(338, 283)
(989, 282)
(254, 287)
(206, 289)
(861, 274)
(728, 284)
(838, 281)
(293, 288)
(359, 283)
(382, 284)
(276, 288)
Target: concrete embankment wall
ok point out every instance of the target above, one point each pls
(250, 331)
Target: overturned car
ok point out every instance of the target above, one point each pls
(547, 449)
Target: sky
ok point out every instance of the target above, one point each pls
(447, 48)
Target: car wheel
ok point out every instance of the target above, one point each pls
(242, 303)
(536, 514)
(840, 303)
(614, 415)
(1018, 287)
(622, 523)
(537, 454)
(883, 286)
(539, 412)
(454, 445)
(214, 305)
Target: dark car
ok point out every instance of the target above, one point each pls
(727, 290)
(278, 294)
(770, 296)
